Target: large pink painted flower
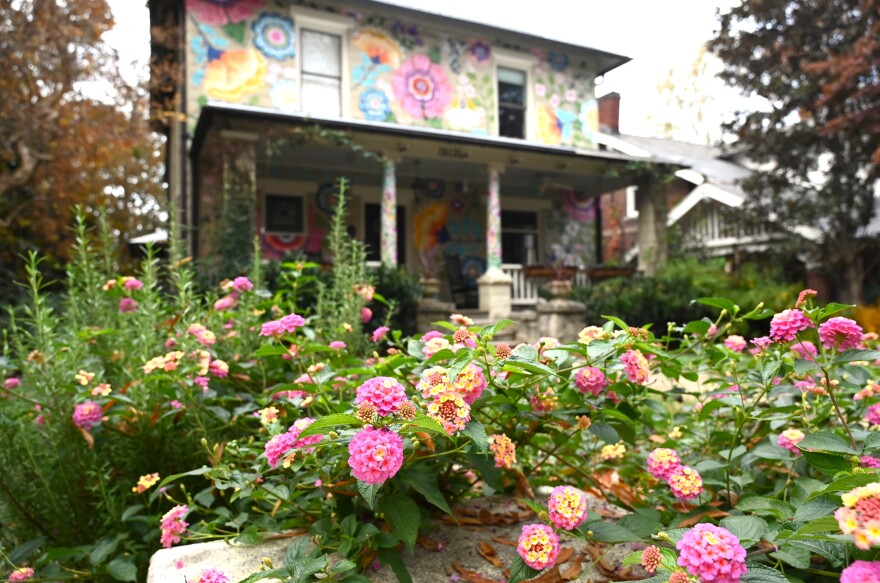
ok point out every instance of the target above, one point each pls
(422, 87)
(221, 12)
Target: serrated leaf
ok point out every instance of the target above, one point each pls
(835, 552)
(824, 524)
(271, 350)
(632, 559)
(857, 355)
(477, 433)
(805, 366)
(525, 352)
(758, 573)
(485, 465)
(393, 559)
(324, 425)
(826, 442)
(23, 552)
(104, 548)
(519, 571)
(605, 432)
(720, 303)
(847, 483)
(425, 483)
(798, 558)
(609, 532)
(828, 463)
(423, 422)
(404, 517)
(821, 506)
(369, 491)
(748, 529)
(764, 505)
(463, 357)
(122, 569)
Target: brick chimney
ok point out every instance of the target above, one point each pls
(609, 113)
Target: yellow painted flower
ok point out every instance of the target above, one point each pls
(235, 74)
(378, 46)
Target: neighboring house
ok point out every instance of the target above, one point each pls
(484, 142)
(699, 198)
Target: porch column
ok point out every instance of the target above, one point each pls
(388, 240)
(495, 285)
(651, 204)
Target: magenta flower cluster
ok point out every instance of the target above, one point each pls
(173, 525)
(590, 379)
(385, 393)
(282, 445)
(87, 415)
(785, 325)
(375, 455)
(712, 553)
(861, 572)
(287, 324)
(840, 333)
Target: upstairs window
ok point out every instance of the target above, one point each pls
(511, 103)
(321, 73)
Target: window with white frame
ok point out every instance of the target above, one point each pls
(321, 72)
(284, 214)
(512, 91)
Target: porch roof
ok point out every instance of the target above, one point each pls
(594, 171)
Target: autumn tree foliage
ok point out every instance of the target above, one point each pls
(814, 62)
(72, 131)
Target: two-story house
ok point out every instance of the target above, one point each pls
(459, 140)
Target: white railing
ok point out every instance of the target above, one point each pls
(524, 291)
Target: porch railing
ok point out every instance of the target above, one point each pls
(524, 291)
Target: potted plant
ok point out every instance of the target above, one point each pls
(431, 263)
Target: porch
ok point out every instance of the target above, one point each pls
(499, 208)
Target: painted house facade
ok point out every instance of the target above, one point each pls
(463, 144)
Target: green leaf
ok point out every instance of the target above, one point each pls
(605, 432)
(825, 441)
(323, 425)
(632, 559)
(798, 558)
(199, 472)
(822, 506)
(824, 524)
(236, 31)
(515, 364)
(827, 462)
(104, 548)
(758, 573)
(485, 465)
(423, 422)
(769, 370)
(835, 552)
(609, 532)
(525, 352)
(301, 571)
(477, 433)
(804, 366)
(394, 560)
(425, 483)
(369, 491)
(493, 329)
(122, 569)
(620, 323)
(720, 303)
(857, 355)
(271, 350)
(519, 571)
(462, 358)
(440, 356)
(277, 573)
(832, 308)
(848, 483)
(748, 529)
(764, 505)
(404, 517)
(872, 441)
(23, 551)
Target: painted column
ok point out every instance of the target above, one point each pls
(495, 285)
(493, 220)
(388, 239)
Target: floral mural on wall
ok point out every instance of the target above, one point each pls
(402, 74)
(245, 51)
(568, 113)
(241, 51)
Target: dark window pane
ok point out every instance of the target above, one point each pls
(373, 232)
(519, 248)
(511, 122)
(284, 214)
(511, 94)
(519, 220)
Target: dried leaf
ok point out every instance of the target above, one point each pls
(565, 554)
(87, 436)
(472, 576)
(698, 518)
(504, 541)
(488, 552)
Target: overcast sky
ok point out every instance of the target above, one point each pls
(657, 35)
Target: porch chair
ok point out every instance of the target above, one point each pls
(465, 294)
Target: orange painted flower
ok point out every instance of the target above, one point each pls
(548, 126)
(235, 74)
(378, 46)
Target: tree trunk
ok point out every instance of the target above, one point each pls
(852, 285)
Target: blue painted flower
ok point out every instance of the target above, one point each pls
(565, 120)
(374, 105)
(557, 61)
(275, 36)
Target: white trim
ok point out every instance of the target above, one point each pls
(691, 175)
(700, 193)
(632, 212)
(524, 62)
(326, 22)
(621, 146)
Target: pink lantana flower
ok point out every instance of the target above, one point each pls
(173, 525)
(789, 439)
(872, 415)
(385, 393)
(375, 455)
(242, 284)
(87, 415)
(858, 572)
(212, 575)
(127, 305)
(132, 283)
(21, 574)
(662, 461)
(636, 366)
(538, 546)
(379, 333)
(712, 553)
(785, 325)
(590, 379)
(12, 383)
(735, 343)
(567, 507)
(337, 345)
(686, 483)
(226, 303)
(366, 314)
(840, 333)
